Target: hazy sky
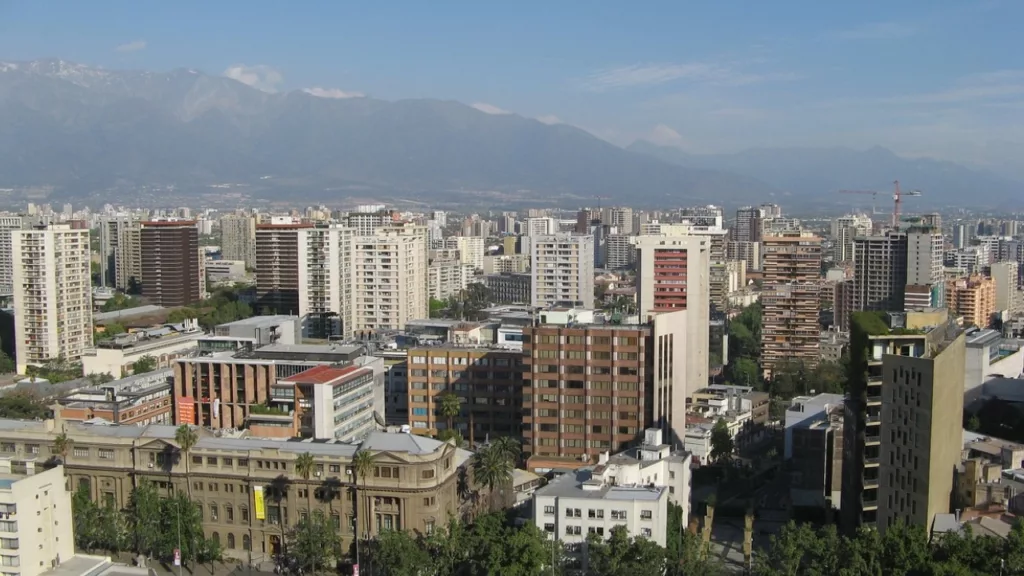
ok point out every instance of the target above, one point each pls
(923, 77)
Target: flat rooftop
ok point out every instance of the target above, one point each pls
(324, 374)
(571, 485)
(259, 321)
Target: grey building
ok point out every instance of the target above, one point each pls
(509, 288)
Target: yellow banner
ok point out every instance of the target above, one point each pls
(261, 509)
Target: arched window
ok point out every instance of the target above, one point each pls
(216, 538)
(246, 544)
(213, 512)
(231, 541)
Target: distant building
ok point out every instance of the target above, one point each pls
(133, 401)
(116, 356)
(508, 288)
(238, 239)
(973, 298)
(562, 270)
(790, 299)
(171, 271)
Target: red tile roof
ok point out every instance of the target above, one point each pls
(324, 374)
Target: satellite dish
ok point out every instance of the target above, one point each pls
(378, 419)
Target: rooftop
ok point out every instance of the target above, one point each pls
(580, 484)
(324, 374)
(260, 321)
(127, 313)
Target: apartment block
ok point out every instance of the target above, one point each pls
(880, 271)
(487, 381)
(621, 255)
(508, 288)
(277, 268)
(171, 262)
(447, 278)
(673, 276)
(972, 298)
(238, 239)
(326, 280)
(925, 262)
(844, 232)
(562, 270)
(128, 256)
(237, 480)
(35, 507)
(390, 278)
(511, 263)
(790, 300)
(1007, 296)
(8, 224)
(52, 294)
(901, 424)
(748, 226)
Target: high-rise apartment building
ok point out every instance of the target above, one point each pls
(471, 249)
(238, 239)
(880, 271)
(620, 253)
(925, 252)
(844, 231)
(366, 223)
(790, 300)
(542, 226)
(960, 236)
(1004, 276)
(325, 280)
(672, 276)
(277, 268)
(128, 257)
(390, 278)
(972, 298)
(8, 224)
(52, 293)
(748, 225)
(448, 277)
(902, 436)
(620, 218)
(562, 269)
(170, 262)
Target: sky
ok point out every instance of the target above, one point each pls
(922, 77)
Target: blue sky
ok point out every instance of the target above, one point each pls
(923, 77)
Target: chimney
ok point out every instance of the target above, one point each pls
(603, 458)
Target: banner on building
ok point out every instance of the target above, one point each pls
(261, 508)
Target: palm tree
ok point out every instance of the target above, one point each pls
(450, 407)
(61, 446)
(491, 468)
(304, 466)
(362, 464)
(187, 438)
(508, 447)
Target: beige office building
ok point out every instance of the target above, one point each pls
(390, 278)
(52, 294)
(247, 487)
(238, 239)
(562, 269)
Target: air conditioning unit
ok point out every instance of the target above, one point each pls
(317, 474)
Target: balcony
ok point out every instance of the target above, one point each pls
(872, 460)
(871, 440)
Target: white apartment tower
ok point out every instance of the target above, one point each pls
(52, 294)
(844, 230)
(7, 225)
(390, 278)
(326, 276)
(238, 239)
(562, 270)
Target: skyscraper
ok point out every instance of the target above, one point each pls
(790, 300)
(844, 231)
(325, 280)
(748, 225)
(390, 278)
(52, 293)
(672, 276)
(8, 224)
(277, 268)
(880, 271)
(1004, 276)
(238, 239)
(170, 262)
(925, 250)
(562, 269)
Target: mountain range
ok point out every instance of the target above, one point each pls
(81, 129)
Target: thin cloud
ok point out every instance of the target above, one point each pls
(638, 75)
(332, 93)
(877, 31)
(489, 108)
(133, 46)
(260, 77)
(549, 119)
(985, 87)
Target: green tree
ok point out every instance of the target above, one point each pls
(143, 518)
(113, 329)
(449, 407)
(120, 302)
(743, 372)
(97, 526)
(7, 365)
(491, 468)
(436, 307)
(143, 365)
(363, 464)
(304, 467)
(314, 542)
(396, 553)
(179, 315)
(722, 446)
(621, 555)
(685, 550)
(22, 406)
(186, 438)
(448, 546)
(61, 446)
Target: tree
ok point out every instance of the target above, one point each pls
(436, 307)
(145, 364)
(97, 526)
(685, 550)
(396, 553)
(314, 542)
(179, 315)
(509, 447)
(722, 446)
(186, 437)
(453, 436)
(120, 302)
(448, 547)
(743, 372)
(304, 466)
(622, 555)
(113, 329)
(7, 365)
(62, 445)
(449, 407)
(22, 406)
(143, 518)
(491, 468)
(362, 464)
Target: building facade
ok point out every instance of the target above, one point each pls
(52, 294)
(35, 507)
(277, 268)
(790, 301)
(238, 239)
(973, 298)
(509, 288)
(171, 264)
(562, 269)
(390, 278)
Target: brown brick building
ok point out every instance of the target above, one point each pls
(586, 389)
(488, 381)
(277, 268)
(171, 269)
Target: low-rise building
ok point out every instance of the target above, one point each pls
(224, 270)
(509, 287)
(816, 459)
(264, 330)
(989, 355)
(35, 517)
(136, 400)
(117, 356)
(327, 402)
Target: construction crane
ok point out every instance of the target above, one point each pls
(897, 197)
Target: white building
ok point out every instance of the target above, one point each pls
(448, 278)
(52, 294)
(35, 519)
(562, 270)
(1005, 275)
(8, 223)
(326, 278)
(471, 250)
(224, 270)
(620, 252)
(844, 230)
(116, 356)
(238, 239)
(390, 278)
(805, 408)
(542, 226)
(341, 400)
(673, 276)
(632, 489)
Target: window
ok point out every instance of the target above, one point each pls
(385, 472)
(335, 468)
(231, 541)
(671, 475)
(573, 513)
(246, 543)
(226, 462)
(549, 510)
(244, 511)
(431, 501)
(243, 462)
(419, 411)
(549, 527)
(105, 454)
(596, 530)
(32, 448)
(80, 452)
(595, 514)
(211, 460)
(229, 513)
(197, 459)
(429, 526)
(645, 514)
(427, 474)
(618, 514)
(645, 532)
(213, 512)
(573, 530)
(6, 447)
